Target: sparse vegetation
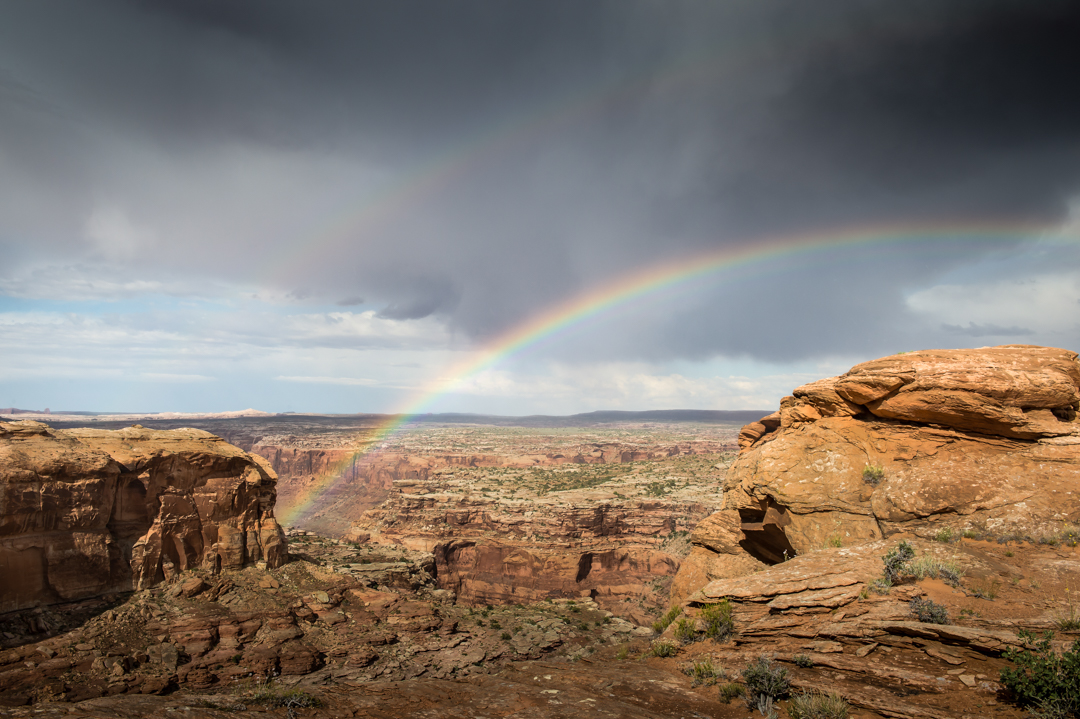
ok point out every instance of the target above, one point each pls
(945, 534)
(704, 672)
(277, 697)
(818, 705)
(929, 611)
(873, 474)
(719, 623)
(897, 561)
(685, 632)
(802, 660)
(665, 621)
(986, 590)
(624, 653)
(1068, 621)
(929, 566)
(765, 679)
(663, 648)
(730, 691)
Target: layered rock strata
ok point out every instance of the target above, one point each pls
(985, 440)
(87, 512)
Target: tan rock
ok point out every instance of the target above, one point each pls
(984, 437)
(86, 512)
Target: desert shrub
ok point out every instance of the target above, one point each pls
(929, 611)
(685, 632)
(881, 585)
(897, 561)
(663, 648)
(765, 678)
(766, 706)
(719, 623)
(802, 660)
(945, 534)
(505, 636)
(818, 705)
(1068, 622)
(986, 590)
(704, 672)
(272, 695)
(1042, 678)
(873, 474)
(729, 691)
(928, 566)
(623, 653)
(665, 621)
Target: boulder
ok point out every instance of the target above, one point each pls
(985, 438)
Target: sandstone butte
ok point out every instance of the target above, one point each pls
(983, 440)
(88, 512)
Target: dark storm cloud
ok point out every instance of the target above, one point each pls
(576, 140)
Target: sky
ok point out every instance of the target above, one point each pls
(349, 207)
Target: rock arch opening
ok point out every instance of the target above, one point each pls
(763, 532)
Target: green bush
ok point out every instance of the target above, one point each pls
(704, 672)
(1042, 678)
(802, 660)
(623, 653)
(665, 621)
(873, 474)
(685, 633)
(729, 691)
(929, 611)
(765, 678)
(663, 648)
(897, 560)
(818, 705)
(719, 623)
(945, 534)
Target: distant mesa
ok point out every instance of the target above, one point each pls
(15, 410)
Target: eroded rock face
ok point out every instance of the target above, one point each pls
(85, 512)
(985, 438)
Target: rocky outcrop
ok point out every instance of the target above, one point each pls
(984, 439)
(86, 512)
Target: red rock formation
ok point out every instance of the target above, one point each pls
(962, 438)
(85, 512)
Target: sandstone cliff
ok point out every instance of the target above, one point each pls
(85, 512)
(983, 440)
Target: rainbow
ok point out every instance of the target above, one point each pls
(701, 270)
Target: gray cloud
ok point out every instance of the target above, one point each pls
(477, 162)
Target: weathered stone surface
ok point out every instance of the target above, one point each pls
(964, 438)
(85, 512)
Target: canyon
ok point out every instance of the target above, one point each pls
(465, 569)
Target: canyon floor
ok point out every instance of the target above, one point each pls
(496, 570)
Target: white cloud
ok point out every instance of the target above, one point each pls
(1037, 303)
(577, 388)
(348, 381)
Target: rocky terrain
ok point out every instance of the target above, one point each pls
(924, 442)
(615, 533)
(893, 543)
(89, 512)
